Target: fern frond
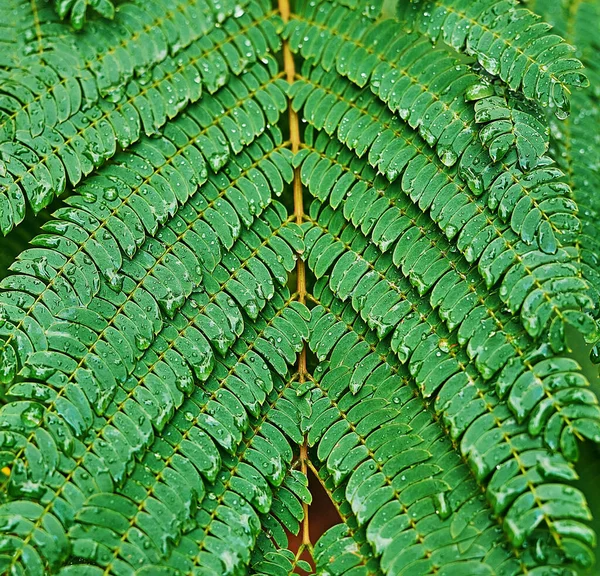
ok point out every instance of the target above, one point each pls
(510, 124)
(77, 10)
(129, 201)
(508, 41)
(209, 415)
(405, 89)
(373, 292)
(350, 351)
(389, 220)
(265, 443)
(426, 87)
(114, 331)
(93, 112)
(576, 150)
(185, 345)
(483, 238)
(247, 244)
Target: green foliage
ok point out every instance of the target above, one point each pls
(220, 271)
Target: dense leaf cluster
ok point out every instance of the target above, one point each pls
(242, 243)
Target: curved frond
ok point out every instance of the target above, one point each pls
(248, 244)
(412, 484)
(575, 148)
(508, 41)
(501, 256)
(94, 104)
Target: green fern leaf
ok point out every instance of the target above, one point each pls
(508, 126)
(576, 152)
(250, 249)
(77, 10)
(508, 41)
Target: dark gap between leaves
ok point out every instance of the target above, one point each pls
(322, 515)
